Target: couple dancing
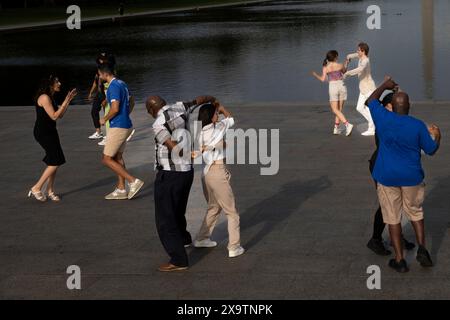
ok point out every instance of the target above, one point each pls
(335, 73)
(175, 175)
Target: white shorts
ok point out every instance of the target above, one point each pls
(337, 90)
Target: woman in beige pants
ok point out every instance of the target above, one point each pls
(216, 179)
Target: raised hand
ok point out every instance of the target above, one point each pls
(389, 84)
(220, 109)
(434, 130)
(71, 94)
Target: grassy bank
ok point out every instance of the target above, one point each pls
(42, 15)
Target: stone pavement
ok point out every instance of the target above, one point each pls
(305, 229)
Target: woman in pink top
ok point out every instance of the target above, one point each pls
(333, 71)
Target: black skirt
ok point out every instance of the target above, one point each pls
(49, 141)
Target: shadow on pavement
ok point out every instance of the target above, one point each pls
(272, 211)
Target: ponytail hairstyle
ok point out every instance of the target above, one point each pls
(331, 56)
(206, 113)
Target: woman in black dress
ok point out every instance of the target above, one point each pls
(47, 112)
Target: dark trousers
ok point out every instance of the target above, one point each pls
(171, 197)
(378, 223)
(95, 110)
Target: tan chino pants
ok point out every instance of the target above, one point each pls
(219, 195)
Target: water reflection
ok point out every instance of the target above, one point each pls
(245, 54)
(428, 46)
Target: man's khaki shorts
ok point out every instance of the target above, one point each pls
(394, 199)
(116, 140)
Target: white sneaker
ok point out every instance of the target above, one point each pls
(236, 252)
(131, 134)
(117, 194)
(103, 142)
(135, 187)
(336, 130)
(368, 133)
(96, 135)
(205, 243)
(348, 129)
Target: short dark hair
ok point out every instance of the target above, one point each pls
(108, 58)
(400, 103)
(387, 99)
(154, 103)
(206, 113)
(364, 47)
(105, 68)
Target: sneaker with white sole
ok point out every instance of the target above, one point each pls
(135, 187)
(369, 132)
(336, 130)
(103, 142)
(348, 129)
(131, 134)
(236, 252)
(96, 135)
(117, 194)
(205, 243)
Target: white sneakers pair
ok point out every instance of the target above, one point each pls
(103, 142)
(96, 135)
(208, 243)
(348, 130)
(119, 194)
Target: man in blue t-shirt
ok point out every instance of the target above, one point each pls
(398, 169)
(120, 128)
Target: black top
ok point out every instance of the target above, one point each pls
(100, 85)
(44, 123)
(46, 134)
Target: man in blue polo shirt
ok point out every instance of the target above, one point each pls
(398, 169)
(120, 128)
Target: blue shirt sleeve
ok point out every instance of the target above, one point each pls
(113, 92)
(378, 112)
(427, 144)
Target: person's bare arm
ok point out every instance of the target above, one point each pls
(436, 133)
(113, 111)
(221, 109)
(321, 78)
(132, 103)
(199, 101)
(45, 101)
(93, 89)
(204, 99)
(346, 62)
(170, 144)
